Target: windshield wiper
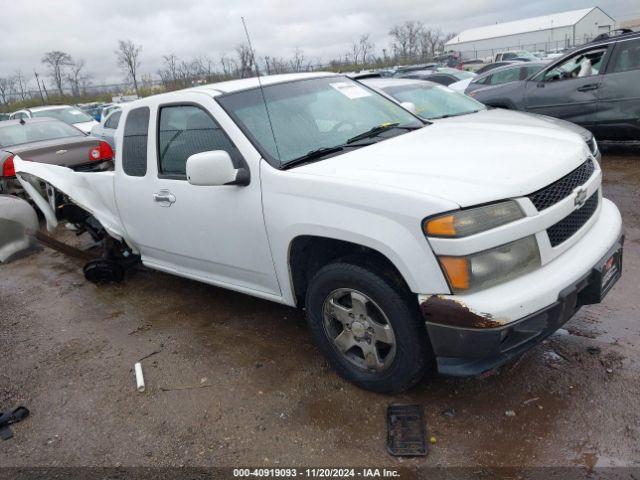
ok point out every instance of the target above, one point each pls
(314, 154)
(449, 115)
(379, 129)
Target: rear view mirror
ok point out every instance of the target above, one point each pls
(409, 106)
(214, 168)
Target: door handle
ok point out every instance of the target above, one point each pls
(587, 88)
(165, 198)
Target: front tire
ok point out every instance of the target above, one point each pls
(368, 330)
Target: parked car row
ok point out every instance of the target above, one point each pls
(66, 113)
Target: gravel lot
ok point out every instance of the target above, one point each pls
(233, 380)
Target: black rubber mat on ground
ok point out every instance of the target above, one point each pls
(406, 434)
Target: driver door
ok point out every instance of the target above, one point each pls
(569, 88)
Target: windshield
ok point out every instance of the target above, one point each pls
(434, 101)
(17, 134)
(66, 114)
(308, 115)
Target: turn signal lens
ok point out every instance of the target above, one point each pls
(457, 271)
(473, 220)
(441, 227)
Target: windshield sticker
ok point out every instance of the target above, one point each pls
(350, 90)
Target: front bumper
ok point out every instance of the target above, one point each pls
(465, 351)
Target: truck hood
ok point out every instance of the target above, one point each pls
(468, 160)
(500, 116)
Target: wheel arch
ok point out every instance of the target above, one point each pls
(308, 253)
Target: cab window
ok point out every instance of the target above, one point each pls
(134, 142)
(185, 130)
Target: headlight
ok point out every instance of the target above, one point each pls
(467, 222)
(490, 267)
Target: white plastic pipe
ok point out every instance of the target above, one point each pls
(139, 377)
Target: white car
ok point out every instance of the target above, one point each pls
(413, 246)
(106, 129)
(66, 113)
(461, 85)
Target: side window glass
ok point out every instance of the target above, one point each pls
(112, 121)
(626, 57)
(134, 143)
(505, 76)
(185, 130)
(486, 80)
(584, 64)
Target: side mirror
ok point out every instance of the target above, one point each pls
(213, 169)
(409, 106)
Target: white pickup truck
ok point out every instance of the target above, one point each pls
(414, 247)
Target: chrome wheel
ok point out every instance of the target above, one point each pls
(359, 329)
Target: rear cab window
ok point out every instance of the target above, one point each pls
(134, 142)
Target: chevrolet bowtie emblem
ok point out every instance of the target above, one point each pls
(581, 197)
(61, 152)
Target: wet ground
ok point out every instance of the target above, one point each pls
(232, 380)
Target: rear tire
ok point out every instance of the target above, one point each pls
(369, 331)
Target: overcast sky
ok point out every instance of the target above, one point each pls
(89, 30)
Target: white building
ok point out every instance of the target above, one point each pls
(549, 32)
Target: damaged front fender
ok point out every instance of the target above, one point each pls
(448, 311)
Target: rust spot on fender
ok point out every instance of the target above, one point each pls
(455, 313)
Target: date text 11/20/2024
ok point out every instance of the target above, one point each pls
(316, 472)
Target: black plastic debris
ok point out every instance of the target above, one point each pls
(406, 434)
(10, 417)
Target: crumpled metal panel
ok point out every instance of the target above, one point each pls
(18, 223)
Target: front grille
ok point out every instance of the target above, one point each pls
(552, 194)
(570, 224)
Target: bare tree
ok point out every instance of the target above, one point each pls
(275, 65)
(21, 84)
(354, 53)
(127, 55)
(76, 78)
(204, 66)
(245, 60)
(56, 61)
(406, 40)
(228, 65)
(6, 89)
(298, 62)
(366, 48)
